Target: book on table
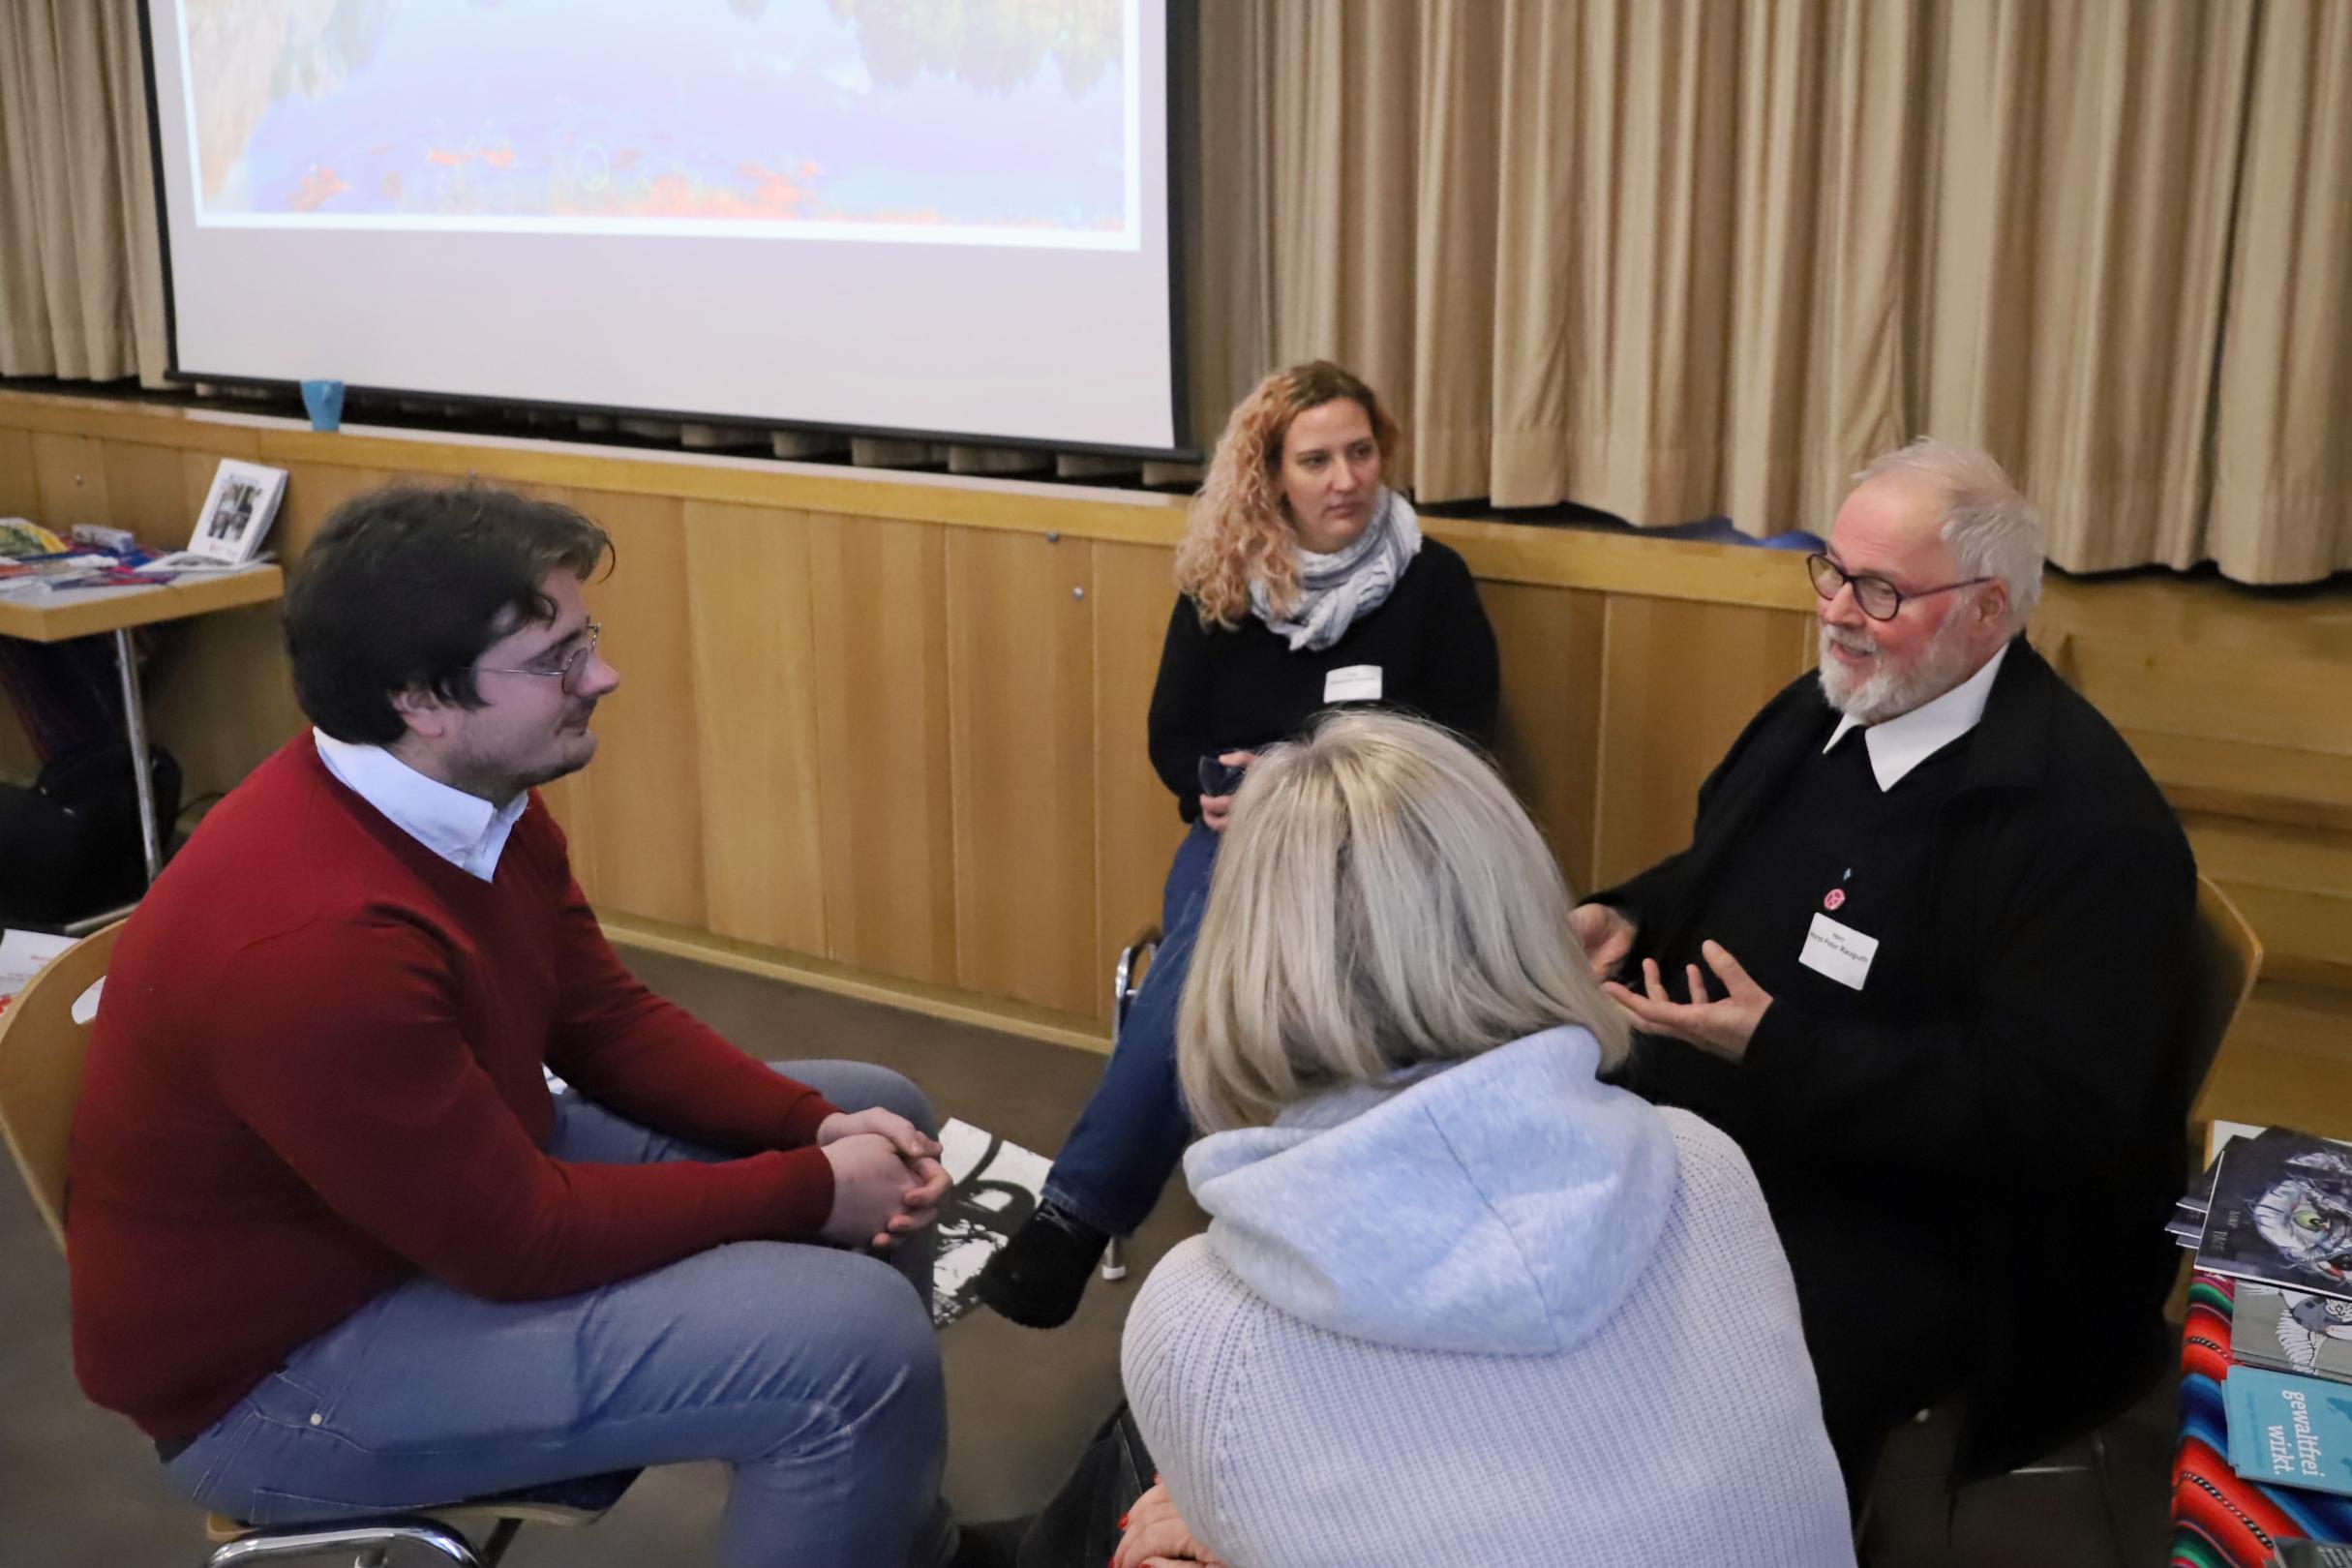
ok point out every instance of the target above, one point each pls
(2281, 1214)
(238, 512)
(2289, 1432)
(2291, 1331)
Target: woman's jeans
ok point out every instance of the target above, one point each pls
(1133, 1133)
(810, 1369)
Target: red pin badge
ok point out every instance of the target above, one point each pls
(1833, 898)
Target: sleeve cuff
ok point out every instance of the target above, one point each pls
(805, 1195)
(801, 1125)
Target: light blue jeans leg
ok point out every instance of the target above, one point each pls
(812, 1370)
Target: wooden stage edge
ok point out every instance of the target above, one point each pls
(974, 1008)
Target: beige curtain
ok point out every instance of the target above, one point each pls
(1670, 258)
(82, 287)
(2079, 163)
(1691, 257)
(2283, 446)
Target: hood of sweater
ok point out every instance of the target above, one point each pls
(1502, 1205)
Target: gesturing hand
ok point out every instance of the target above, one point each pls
(1156, 1535)
(1606, 935)
(1723, 1027)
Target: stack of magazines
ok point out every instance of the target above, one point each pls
(2274, 1214)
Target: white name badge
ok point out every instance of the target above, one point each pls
(1356, 683)
(1839, 952)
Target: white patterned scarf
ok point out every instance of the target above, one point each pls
(1354, 581)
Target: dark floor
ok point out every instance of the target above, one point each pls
(78, 1486)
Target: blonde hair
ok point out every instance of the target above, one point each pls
(1989, 525)
(1380, 900)
(1238, 531)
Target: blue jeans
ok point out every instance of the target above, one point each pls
(1132, 1134)
(810, 1369)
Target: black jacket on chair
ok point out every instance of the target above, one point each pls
(2037, 1097)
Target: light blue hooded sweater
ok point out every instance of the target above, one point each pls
(1498, 1313)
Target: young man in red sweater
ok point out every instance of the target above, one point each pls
(334, 1244)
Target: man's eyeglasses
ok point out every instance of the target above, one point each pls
(569, 672)
(1879, 598)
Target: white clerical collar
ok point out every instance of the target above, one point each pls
(463, 830)
(1908, 739)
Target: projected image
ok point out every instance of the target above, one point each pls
(1003, 121)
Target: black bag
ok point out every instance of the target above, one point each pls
(69, 846)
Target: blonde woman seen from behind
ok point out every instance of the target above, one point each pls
(1459, 1301)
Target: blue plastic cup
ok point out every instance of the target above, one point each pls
(324, 401)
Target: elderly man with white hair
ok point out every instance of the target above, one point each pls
(1923, 960)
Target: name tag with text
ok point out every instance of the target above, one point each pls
(1356, 683)
(1839, 952)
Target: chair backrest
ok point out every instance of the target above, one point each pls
(2224, 961)
(41, 1055)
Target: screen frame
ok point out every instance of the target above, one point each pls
(1179, 57)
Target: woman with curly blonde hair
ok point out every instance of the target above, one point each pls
(1306, 583)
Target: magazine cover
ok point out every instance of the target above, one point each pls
(238, 512)
(2292, 1331)
(2289, 1432)
(2281, 1214)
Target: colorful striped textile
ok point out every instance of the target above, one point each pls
(2219, 1519)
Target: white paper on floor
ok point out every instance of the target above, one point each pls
(995, 1191)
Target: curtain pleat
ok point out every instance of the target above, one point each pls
(2072, 286)
(2282, 506)
(82, 276)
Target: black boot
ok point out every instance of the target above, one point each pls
(1037, 1277)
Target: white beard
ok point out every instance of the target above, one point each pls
(1889, 693)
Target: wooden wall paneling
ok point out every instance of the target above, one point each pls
(754, 705)
(221, 695)
(147, 491)
(642, 794)
(2294, 886)
(1680, 680)
(1020, 699)
(879, 602)
(1136, 828)
(70, 476)
(19, 488)
(2276, 784)
(1550, 733)
(2219, 694)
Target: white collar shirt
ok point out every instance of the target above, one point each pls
(1908, 739)
(463, 830)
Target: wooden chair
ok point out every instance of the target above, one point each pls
(42, 1047)
(2224, 962)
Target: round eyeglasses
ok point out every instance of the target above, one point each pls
(1879, 598)
(569, 672)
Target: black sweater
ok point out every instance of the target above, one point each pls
(2028, 1085)
(1239, 689)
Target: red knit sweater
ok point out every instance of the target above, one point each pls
(317, 1072)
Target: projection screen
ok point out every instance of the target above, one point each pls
(946, 217)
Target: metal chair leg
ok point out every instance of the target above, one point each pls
(285, 1545)
(1115, 1259)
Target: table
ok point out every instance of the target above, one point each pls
(2219, 1519)
(53, 617)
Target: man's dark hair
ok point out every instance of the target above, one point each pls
(405, 586)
